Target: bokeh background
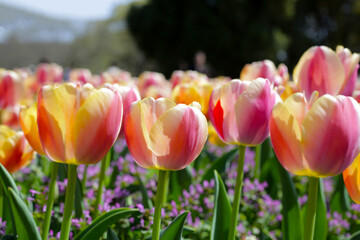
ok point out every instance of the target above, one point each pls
(164, 35)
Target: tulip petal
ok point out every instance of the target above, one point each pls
(178, 136)
(253, 109)
(97, 125)
(286, 138)
(28, 121)
(52, 122)
(352, 180)
(331, 118)
(319, 69)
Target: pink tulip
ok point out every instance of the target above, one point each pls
(265, 69)
(351, 65)
(11, 88)
(240, 111)
(165, 136)
(128, 95)
(319, 69)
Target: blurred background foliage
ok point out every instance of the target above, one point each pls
(164, 35)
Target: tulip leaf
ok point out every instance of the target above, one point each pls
(79, 204)
(111, 235)
(340, 200)
(179, 180)
(146, 201)
(7, 180)
(25, 223)
(97, 228)
(355, 236)
(175, 229)
(219, 164)
(292, 223)
(321, 225)
(222, 211)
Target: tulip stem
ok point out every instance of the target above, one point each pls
(69, 202)
(257, 161)
(166, 187)
(1, 199)
(83, 181)
(237, 196)
(311, 208)
(50, 200)
(101, 182)
(160, 192)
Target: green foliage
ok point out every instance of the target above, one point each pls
(292, 222)
(100, 225)
(25, 224)
(222, 211)
(174, 230)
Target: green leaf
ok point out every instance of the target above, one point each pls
(175, 229)
(25, 223)
(292, 223)
(219, 164)
(222, 211)
(179, 180)
(111, 235)
(7, 180)
(146, 201)
(340, 200)
(97, 228)
(355, 236)
(79, 204)
(321, 225)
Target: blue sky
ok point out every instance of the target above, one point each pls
(78, 9)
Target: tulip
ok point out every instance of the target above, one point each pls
(189, 76)
(81, 75)
(165, 136)
(128, 95)
(319, 138)
(265, 69)
(352, 180)
(193, 92)
(47, 73)
(229, 103)
(11, 88)
(319, 69)
(15, 151)
(77, 125)
(351, 65)
(240, 111)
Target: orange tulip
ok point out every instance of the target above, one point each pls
(352, 180)
(193, 92)
(78, 124)
(165, 136)
(319, 138)
(15, 152)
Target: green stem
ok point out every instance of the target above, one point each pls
(158, 204)
(166, 187)
(311, 208)
(50, 200)
(237, 196)
(257, 161)
(101, 182)
(2, 193)
(69, 202)
(83, 181)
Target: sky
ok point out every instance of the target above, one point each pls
(73, 9)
